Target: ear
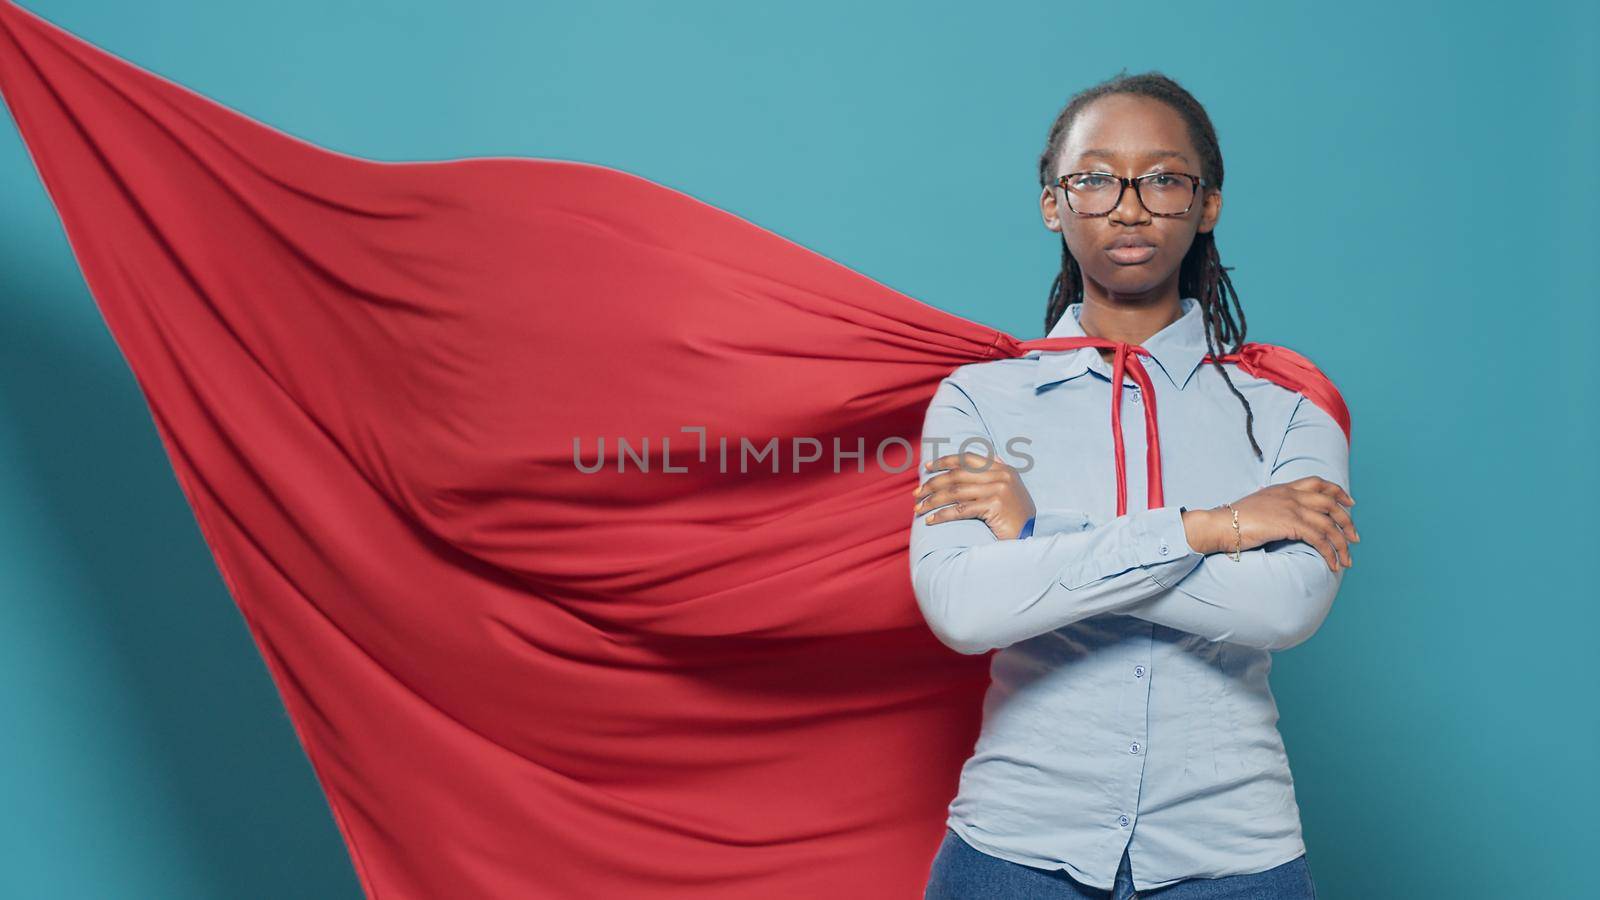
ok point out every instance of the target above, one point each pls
(1210, 210)
(1048, 210)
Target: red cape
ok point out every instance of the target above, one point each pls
(514, 678)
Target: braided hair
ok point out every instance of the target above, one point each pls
(1202, 275)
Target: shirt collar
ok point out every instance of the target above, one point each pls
(1177, 348)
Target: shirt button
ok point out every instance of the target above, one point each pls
(1134, 397)
(1123, 821)
(1138, 671)
(1163, 550)
(1133, 747)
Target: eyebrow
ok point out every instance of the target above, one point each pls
(1108, 155)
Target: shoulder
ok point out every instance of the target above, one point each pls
(989, 391)
(1009, 370)
(992, 377)
(1288, 377)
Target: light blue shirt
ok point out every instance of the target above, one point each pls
(1128, 704)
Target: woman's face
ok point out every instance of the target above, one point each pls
(1129, 135)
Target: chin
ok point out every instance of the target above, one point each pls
(1140, 279)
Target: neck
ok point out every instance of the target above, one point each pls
(1131, 323)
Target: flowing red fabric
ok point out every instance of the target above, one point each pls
(513, 677)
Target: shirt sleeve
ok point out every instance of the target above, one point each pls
(979, 593)
(1277, 595)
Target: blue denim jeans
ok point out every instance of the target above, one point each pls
(961, 872)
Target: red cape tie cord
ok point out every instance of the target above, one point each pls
(1277, 364)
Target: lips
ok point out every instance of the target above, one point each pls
(1131, 251)
(1132, 256)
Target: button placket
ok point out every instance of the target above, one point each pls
(1136, 746)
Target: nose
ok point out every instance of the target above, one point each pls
(1129, 208)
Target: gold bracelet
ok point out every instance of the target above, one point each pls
(1238, 539)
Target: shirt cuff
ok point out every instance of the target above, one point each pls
(1162, 537)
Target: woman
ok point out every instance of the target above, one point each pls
(1129, 738)
(639, 683)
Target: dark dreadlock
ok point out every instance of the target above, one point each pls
(1202, 275)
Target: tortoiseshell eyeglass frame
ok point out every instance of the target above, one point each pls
(1195, 184)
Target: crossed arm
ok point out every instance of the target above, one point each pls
(980, 593)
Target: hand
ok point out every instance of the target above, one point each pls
(976, 487)
(1309, 509)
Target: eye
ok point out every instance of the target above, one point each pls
(1089, 181)
(1161, 179)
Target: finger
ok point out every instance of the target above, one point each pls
(1336, 536)
(946, 514)
(958, 476)
(1326, 548)
(1330, 507)
(961, 509)
(942, 481)
(1317, 538)
(956, 492)
(944, 465)
(1332, 489)
(1331, 535)
(1315, 484)
(1341, 541)
(1345, 522)
(977, 463)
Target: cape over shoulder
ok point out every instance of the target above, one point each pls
(1294, 372)
(1274, 363)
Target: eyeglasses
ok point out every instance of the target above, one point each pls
(1162, 193)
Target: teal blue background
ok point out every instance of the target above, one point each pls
(1411, 201)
